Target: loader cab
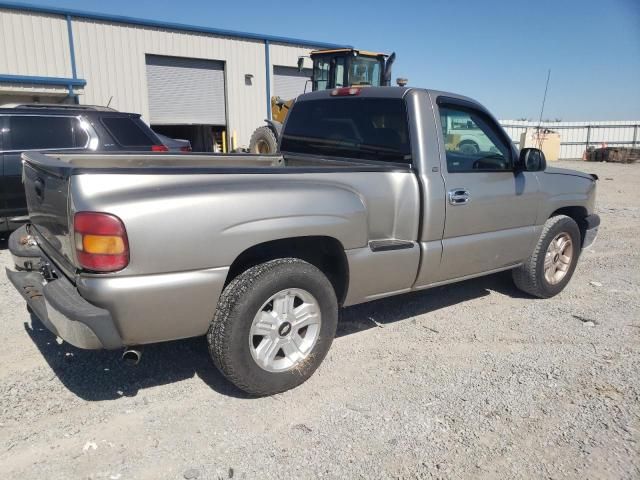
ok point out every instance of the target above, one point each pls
(348, 67)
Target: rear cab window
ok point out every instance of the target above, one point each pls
(128, 131)
(361, 128)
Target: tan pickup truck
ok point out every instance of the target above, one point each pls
(366, 200)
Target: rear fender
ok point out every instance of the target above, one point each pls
(206, 221)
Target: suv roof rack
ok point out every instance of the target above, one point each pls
(62, 106)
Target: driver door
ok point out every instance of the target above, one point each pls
(490, 209)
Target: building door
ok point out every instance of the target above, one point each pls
(288, 82)
(186, 95)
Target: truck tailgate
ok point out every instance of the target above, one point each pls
(47, 195)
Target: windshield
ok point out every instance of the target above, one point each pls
(361, 128)
(365, 71)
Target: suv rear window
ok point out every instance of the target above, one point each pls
(361, 128)
(127, 131)
(34, 132)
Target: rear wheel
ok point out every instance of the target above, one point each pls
(552, 263)
(273, 326)
(263, 141)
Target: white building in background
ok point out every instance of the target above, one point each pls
(186, 81)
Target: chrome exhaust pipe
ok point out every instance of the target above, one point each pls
(132, 356)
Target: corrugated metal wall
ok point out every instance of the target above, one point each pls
(286, 55)
(288, 82)
(111, 57)
(575, 136)
(36, 45)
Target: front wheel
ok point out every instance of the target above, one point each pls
(553, 261)
(273, 326)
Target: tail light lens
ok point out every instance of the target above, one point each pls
(101, 241)
(159, 148)
(185, 149)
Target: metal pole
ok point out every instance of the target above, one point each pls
(635, 135)
(267, 65)
(588, 136)
(72, 55)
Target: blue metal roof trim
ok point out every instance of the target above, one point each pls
(167, 25)
(59, 81)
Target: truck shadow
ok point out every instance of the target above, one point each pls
(102, 375)
(402, 307)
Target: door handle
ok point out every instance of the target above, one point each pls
(459, 196)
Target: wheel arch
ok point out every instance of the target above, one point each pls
(324, 252)
(578, 214)
(275, 126)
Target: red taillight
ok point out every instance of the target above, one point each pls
(345, 91)
(185, 149)
(159, 148)
(101, 241)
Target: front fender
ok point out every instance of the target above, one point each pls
(563, 191)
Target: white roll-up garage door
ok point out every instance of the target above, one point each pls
(185, 91)
(288, 82)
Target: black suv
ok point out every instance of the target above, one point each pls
(73, 128)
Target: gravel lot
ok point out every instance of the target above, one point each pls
(473, 380)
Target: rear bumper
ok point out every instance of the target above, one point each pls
(592, 223)
(110, 311)
(56, 300)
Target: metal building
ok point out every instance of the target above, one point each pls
(187, 81)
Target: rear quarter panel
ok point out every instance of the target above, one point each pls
(189, 222)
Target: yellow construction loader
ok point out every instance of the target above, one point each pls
(343, 67)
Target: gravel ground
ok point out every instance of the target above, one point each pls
(473, 380)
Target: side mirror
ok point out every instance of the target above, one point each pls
(300, 63)
(532, 160)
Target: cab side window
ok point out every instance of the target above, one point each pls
(472, 142)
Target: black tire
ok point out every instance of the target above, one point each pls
(530, 277)
(263, 141)
(241, 300)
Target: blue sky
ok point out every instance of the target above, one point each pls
(496, 52)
